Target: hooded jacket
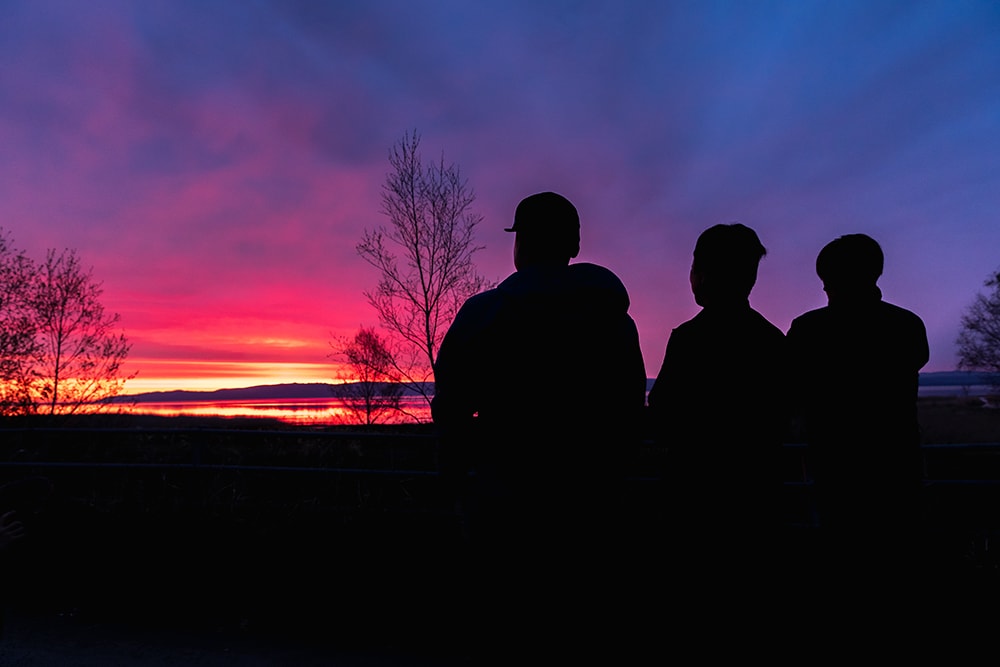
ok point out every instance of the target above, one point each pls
(542, 375)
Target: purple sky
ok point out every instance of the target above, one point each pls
(217, 162)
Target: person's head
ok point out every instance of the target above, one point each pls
(546, 231)
(850, 264)
(726, 257)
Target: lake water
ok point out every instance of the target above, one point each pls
(332, 411)
(956, 390)
(297, 411)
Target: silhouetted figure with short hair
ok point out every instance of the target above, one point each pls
(857, 362)
(718, 408)
(539, 390)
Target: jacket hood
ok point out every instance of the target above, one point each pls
(583, 283)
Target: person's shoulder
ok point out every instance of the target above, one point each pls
(691, 328)
(527, 282)
(594, 272)
(900, 313)
(765, 325)
(484, 297)
(585, 276)
(811, 316)
(479, 306)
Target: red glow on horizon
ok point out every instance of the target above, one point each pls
(188, 375)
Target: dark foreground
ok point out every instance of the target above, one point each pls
(194, 546)
(65, 639)
(61, 640)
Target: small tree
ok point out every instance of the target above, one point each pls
(371, 391)
(424, 257)
(979, 339)
(18, 346)
(80, 356)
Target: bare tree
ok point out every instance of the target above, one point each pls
(424, 257)
(371, 390)
(979, 339)
(80, 357)
(18, 346)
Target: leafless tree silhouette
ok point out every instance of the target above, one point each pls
(979, 339)
(424, 257)
(80, 359)
(371, 390)
(18, 346)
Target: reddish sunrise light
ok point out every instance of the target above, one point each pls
(218, 180)
(167, 375)
(302, 412)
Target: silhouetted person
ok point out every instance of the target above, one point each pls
(717, 407)
(856, 364)
(539, 388)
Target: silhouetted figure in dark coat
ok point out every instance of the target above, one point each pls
(856, 363)
(539, 389)
(717, 406)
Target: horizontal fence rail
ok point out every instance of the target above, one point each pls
(86, 461)
(357, 452)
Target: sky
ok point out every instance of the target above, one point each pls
(215, 163)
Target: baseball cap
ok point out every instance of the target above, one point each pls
(546, 213)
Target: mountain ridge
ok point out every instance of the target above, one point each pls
(329, 390)
(256, 392)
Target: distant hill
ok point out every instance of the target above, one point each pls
(324, 390)
(958, 379)
(255, 393)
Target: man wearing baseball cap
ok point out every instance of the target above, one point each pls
(539, 391)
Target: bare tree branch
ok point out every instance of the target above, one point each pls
(424, 257)
(372, 391)
(80, 357)
(979, 339)
(18, 345)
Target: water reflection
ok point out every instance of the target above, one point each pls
(297, 411)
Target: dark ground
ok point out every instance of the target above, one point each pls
(65, 639)
(143, 567)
